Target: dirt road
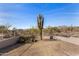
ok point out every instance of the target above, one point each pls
(73, 40)
(45, 48)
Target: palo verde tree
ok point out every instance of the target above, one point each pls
(40, 22)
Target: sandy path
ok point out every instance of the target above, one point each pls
(45, 48)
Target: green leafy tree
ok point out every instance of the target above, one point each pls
(40, 22)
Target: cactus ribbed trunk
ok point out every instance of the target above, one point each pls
(41, 34)
(40, 22)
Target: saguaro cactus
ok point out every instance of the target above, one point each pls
(40, 22)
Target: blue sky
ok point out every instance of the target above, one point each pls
(24, 15)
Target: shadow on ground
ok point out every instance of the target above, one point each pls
(12, 47)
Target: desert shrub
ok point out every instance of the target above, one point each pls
(22, 40)
(36, 40)
(27, 39)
